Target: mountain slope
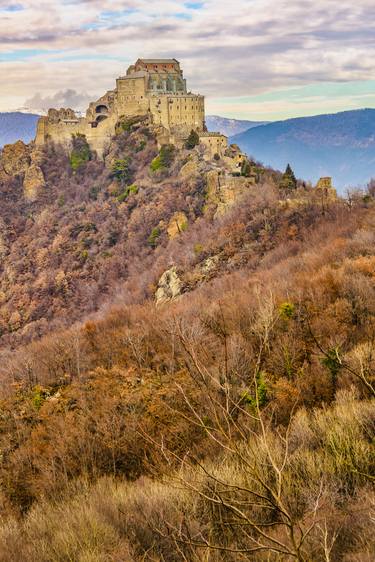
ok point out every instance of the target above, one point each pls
(228, 126)
(90, 225)
(17, 126)
(340, 145)
(124, 418)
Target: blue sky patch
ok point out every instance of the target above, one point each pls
(182, 16)
(194, 5)
(12, 8)
(23, 54)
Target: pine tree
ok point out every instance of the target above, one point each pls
(288, 181)
(192, 140)
(245, 169)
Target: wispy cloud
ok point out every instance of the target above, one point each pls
(239, 50)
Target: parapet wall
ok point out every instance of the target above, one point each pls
(62, 132)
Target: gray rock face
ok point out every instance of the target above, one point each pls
(169, 286)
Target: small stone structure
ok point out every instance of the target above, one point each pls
(325, 188)
(324, 183)
(215, 143)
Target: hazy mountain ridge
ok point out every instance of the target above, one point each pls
(17, 126)
(341, 145)
(229, 126)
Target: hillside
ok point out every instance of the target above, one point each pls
(72, 235)
(17, 126)
(230, 127)
(187, 358)
(340, 145)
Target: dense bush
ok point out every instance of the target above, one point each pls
(317, 508)
(80, 153)
(164, 158)
(121, 171)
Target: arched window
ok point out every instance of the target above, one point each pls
(101, 109)
(101, 118)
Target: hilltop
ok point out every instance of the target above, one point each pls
(341, 145)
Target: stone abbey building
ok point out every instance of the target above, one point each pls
(152, 87)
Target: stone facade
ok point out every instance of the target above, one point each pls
(215, 143)
(325, 189)
(324, 183)
(153, 87)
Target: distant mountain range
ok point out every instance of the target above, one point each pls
(341, 145)
(230, 127)
(17, 126)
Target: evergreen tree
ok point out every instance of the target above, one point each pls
(192, 140)
(120, 171)
(245, 169)
(288, 181)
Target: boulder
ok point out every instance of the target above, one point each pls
(169, 287)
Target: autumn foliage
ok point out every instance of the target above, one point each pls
(235, 422)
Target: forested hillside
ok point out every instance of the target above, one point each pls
(231, 422)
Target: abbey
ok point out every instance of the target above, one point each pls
(151, 87)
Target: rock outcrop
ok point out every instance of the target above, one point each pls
(34, 180)
(21, 160)
(224, 190)
(169, 287)
(14, 160)
(177, 224)
(191, 168)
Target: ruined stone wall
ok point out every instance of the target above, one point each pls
(61, 132)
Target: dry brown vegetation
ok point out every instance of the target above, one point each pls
(235, 423)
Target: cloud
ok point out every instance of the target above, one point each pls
(259, 46)
(66, 98)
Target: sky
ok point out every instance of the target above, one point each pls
(252, 59)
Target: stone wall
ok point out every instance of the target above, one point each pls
(215, 143)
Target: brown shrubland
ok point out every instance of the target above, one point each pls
(234, 423)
